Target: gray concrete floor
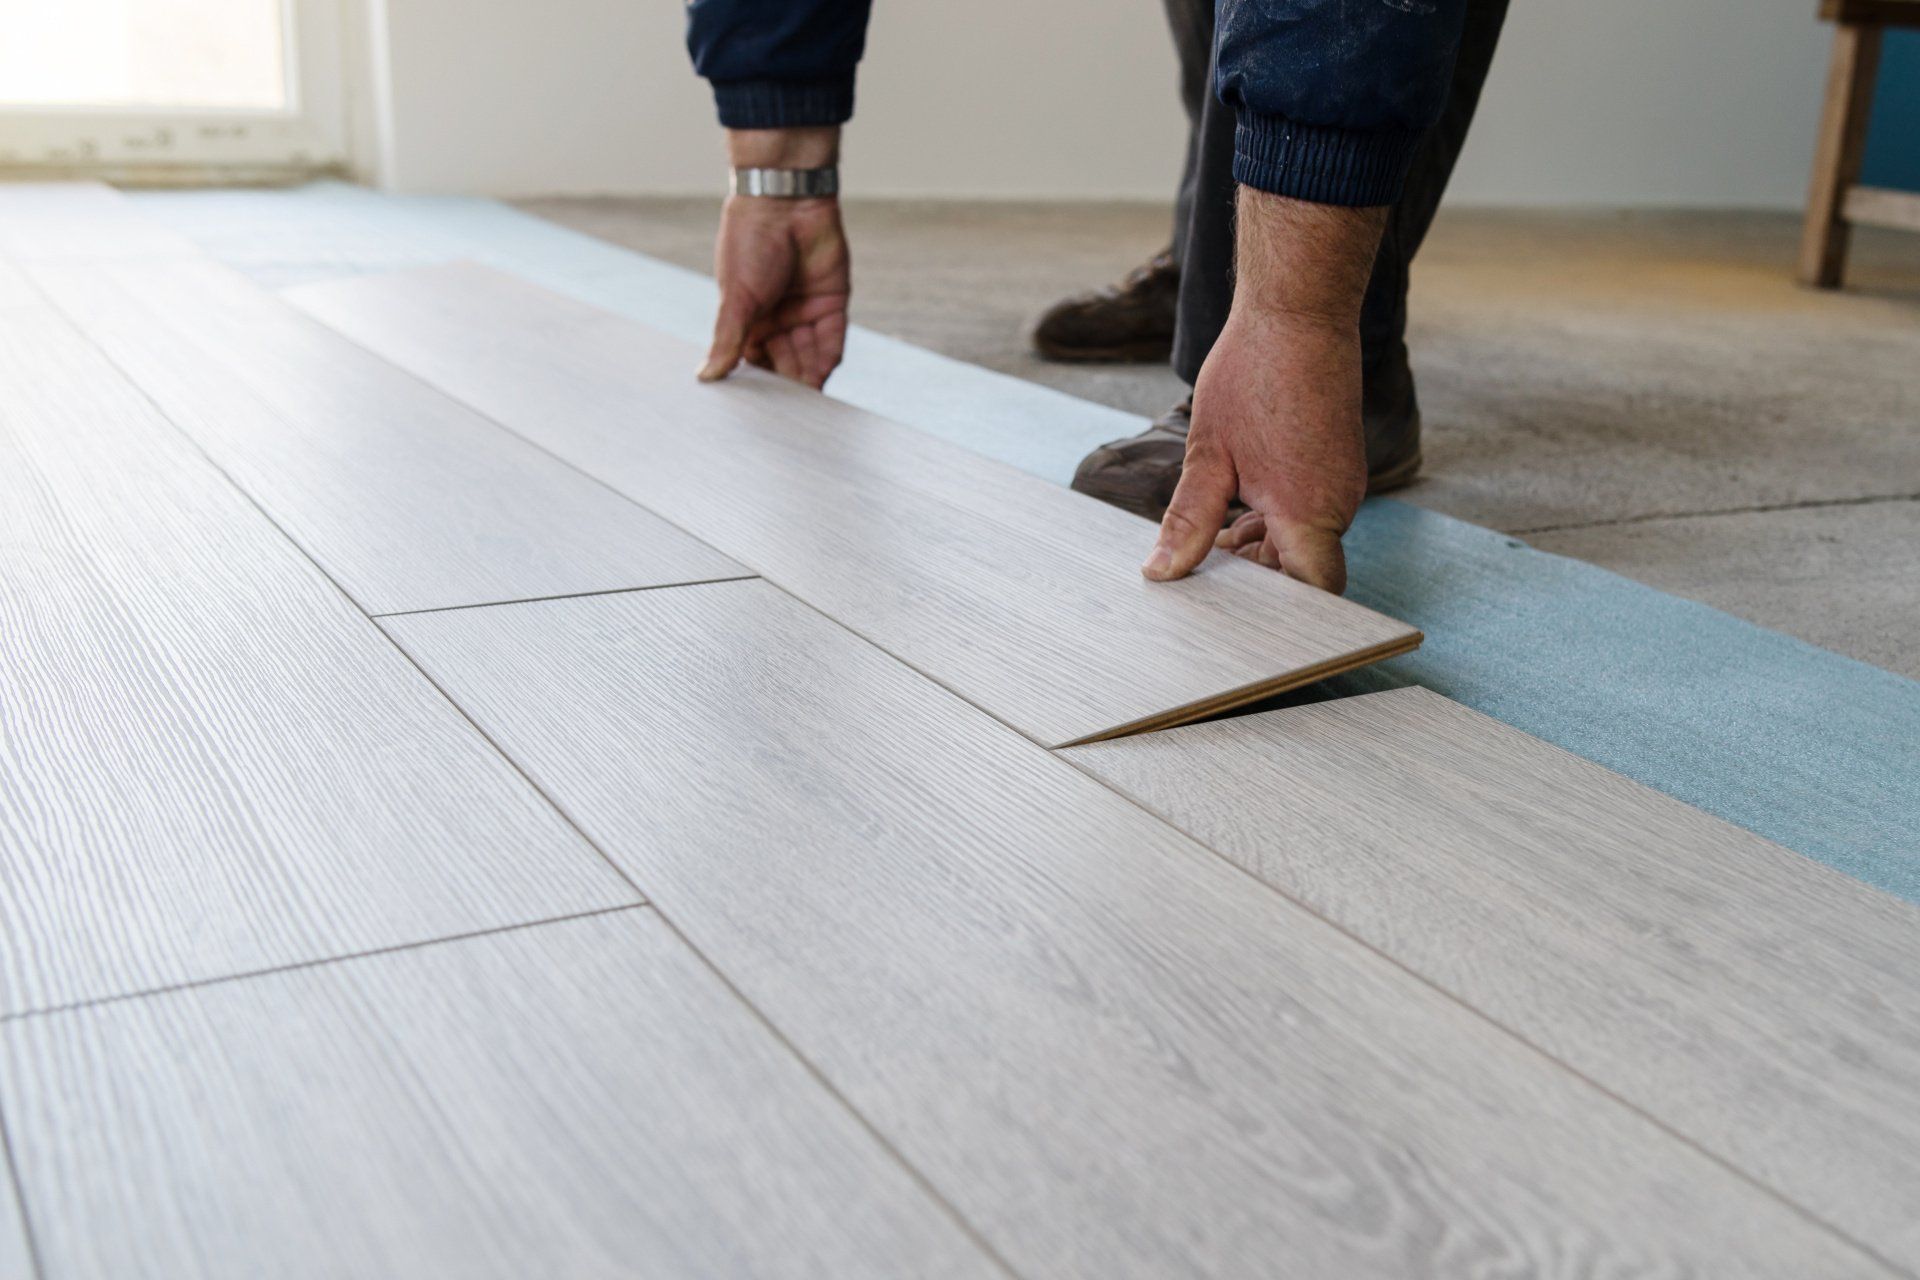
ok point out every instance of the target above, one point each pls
(1648, 392)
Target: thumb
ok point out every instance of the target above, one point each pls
(1193, 519)
(729, 335)
(1310, 553)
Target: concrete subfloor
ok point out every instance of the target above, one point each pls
(1649, 392)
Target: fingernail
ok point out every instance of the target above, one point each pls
(705, 374)
(1158, 563)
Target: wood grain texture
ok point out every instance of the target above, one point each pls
(1114, 1053)
(581, 1099)
(81, 222)
(1024, 597)
(210, 761)
(407, 498)
(16, 1261)
(1759, 1003)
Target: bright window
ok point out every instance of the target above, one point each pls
(128, 53)
(172, 90)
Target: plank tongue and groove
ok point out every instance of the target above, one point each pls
(407, 498)
(210, 761)
(1756, 1002)
(1021, 596)
(582, 1099)
(1115, 1054)
(81, 222)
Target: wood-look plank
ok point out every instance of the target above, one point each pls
(16, 1260)
(1024, 597)
(580, 1099)
(407, 498)
(210, 761)
(81, 221)
(1113, 1052)
(1753, 1000)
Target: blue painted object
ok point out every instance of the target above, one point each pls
(1893, 134)
(1810, 749)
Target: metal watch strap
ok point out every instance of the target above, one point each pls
(785, 184)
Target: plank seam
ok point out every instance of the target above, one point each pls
(570, 595)
(146, 992)
(759, 1015)
(73, 322)
(1765, 1189)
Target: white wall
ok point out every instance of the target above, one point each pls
(1703, 102)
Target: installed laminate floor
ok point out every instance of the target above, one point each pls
(408, 499)
(582, 1100)
(318, 959)
(1115, 1055)
(1764, 1006)
(211, 761)
(81, 222)
(1024, 597)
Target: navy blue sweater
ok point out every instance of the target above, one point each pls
(1332, 96)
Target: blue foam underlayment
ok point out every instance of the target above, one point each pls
(1811, 749)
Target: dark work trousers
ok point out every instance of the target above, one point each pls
(1203, 210)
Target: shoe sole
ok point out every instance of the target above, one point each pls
(1398, 476)
(1125, 353)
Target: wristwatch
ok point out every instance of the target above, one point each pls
(785, 184)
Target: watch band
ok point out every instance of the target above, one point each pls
(785, 184)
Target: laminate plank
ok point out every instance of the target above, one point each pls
(1755, 1001)
(210, 761)
(1114, 1053)
(407, 498)
(81, 221)
(16, 1261)
(1024, 597)
(578, 1099)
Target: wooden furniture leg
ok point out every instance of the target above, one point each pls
(1836, 160)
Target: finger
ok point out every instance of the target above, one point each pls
(807, 351)
(833, 342)
(1310, 553)
(729, 336)
(1251, 527)
(1199, 506)
(786, 361)
(1261, 553)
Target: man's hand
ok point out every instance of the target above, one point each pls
(1276, 409)
(782, 266)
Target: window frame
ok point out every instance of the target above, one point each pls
(306, 138)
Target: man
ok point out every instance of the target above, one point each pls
(1159, 312)
(1323, 106)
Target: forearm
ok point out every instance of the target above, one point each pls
(804, 148)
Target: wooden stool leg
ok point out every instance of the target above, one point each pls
(1836, 159)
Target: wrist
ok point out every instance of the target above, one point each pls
(812, 147)
(1300, 262)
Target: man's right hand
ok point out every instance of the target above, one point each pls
(782, 266)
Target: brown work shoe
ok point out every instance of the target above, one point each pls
(1132, 320)
(1138, 474)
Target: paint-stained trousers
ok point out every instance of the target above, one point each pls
(1203, 210)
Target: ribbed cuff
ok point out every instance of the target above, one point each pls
(1324, 164)
(784, 104)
